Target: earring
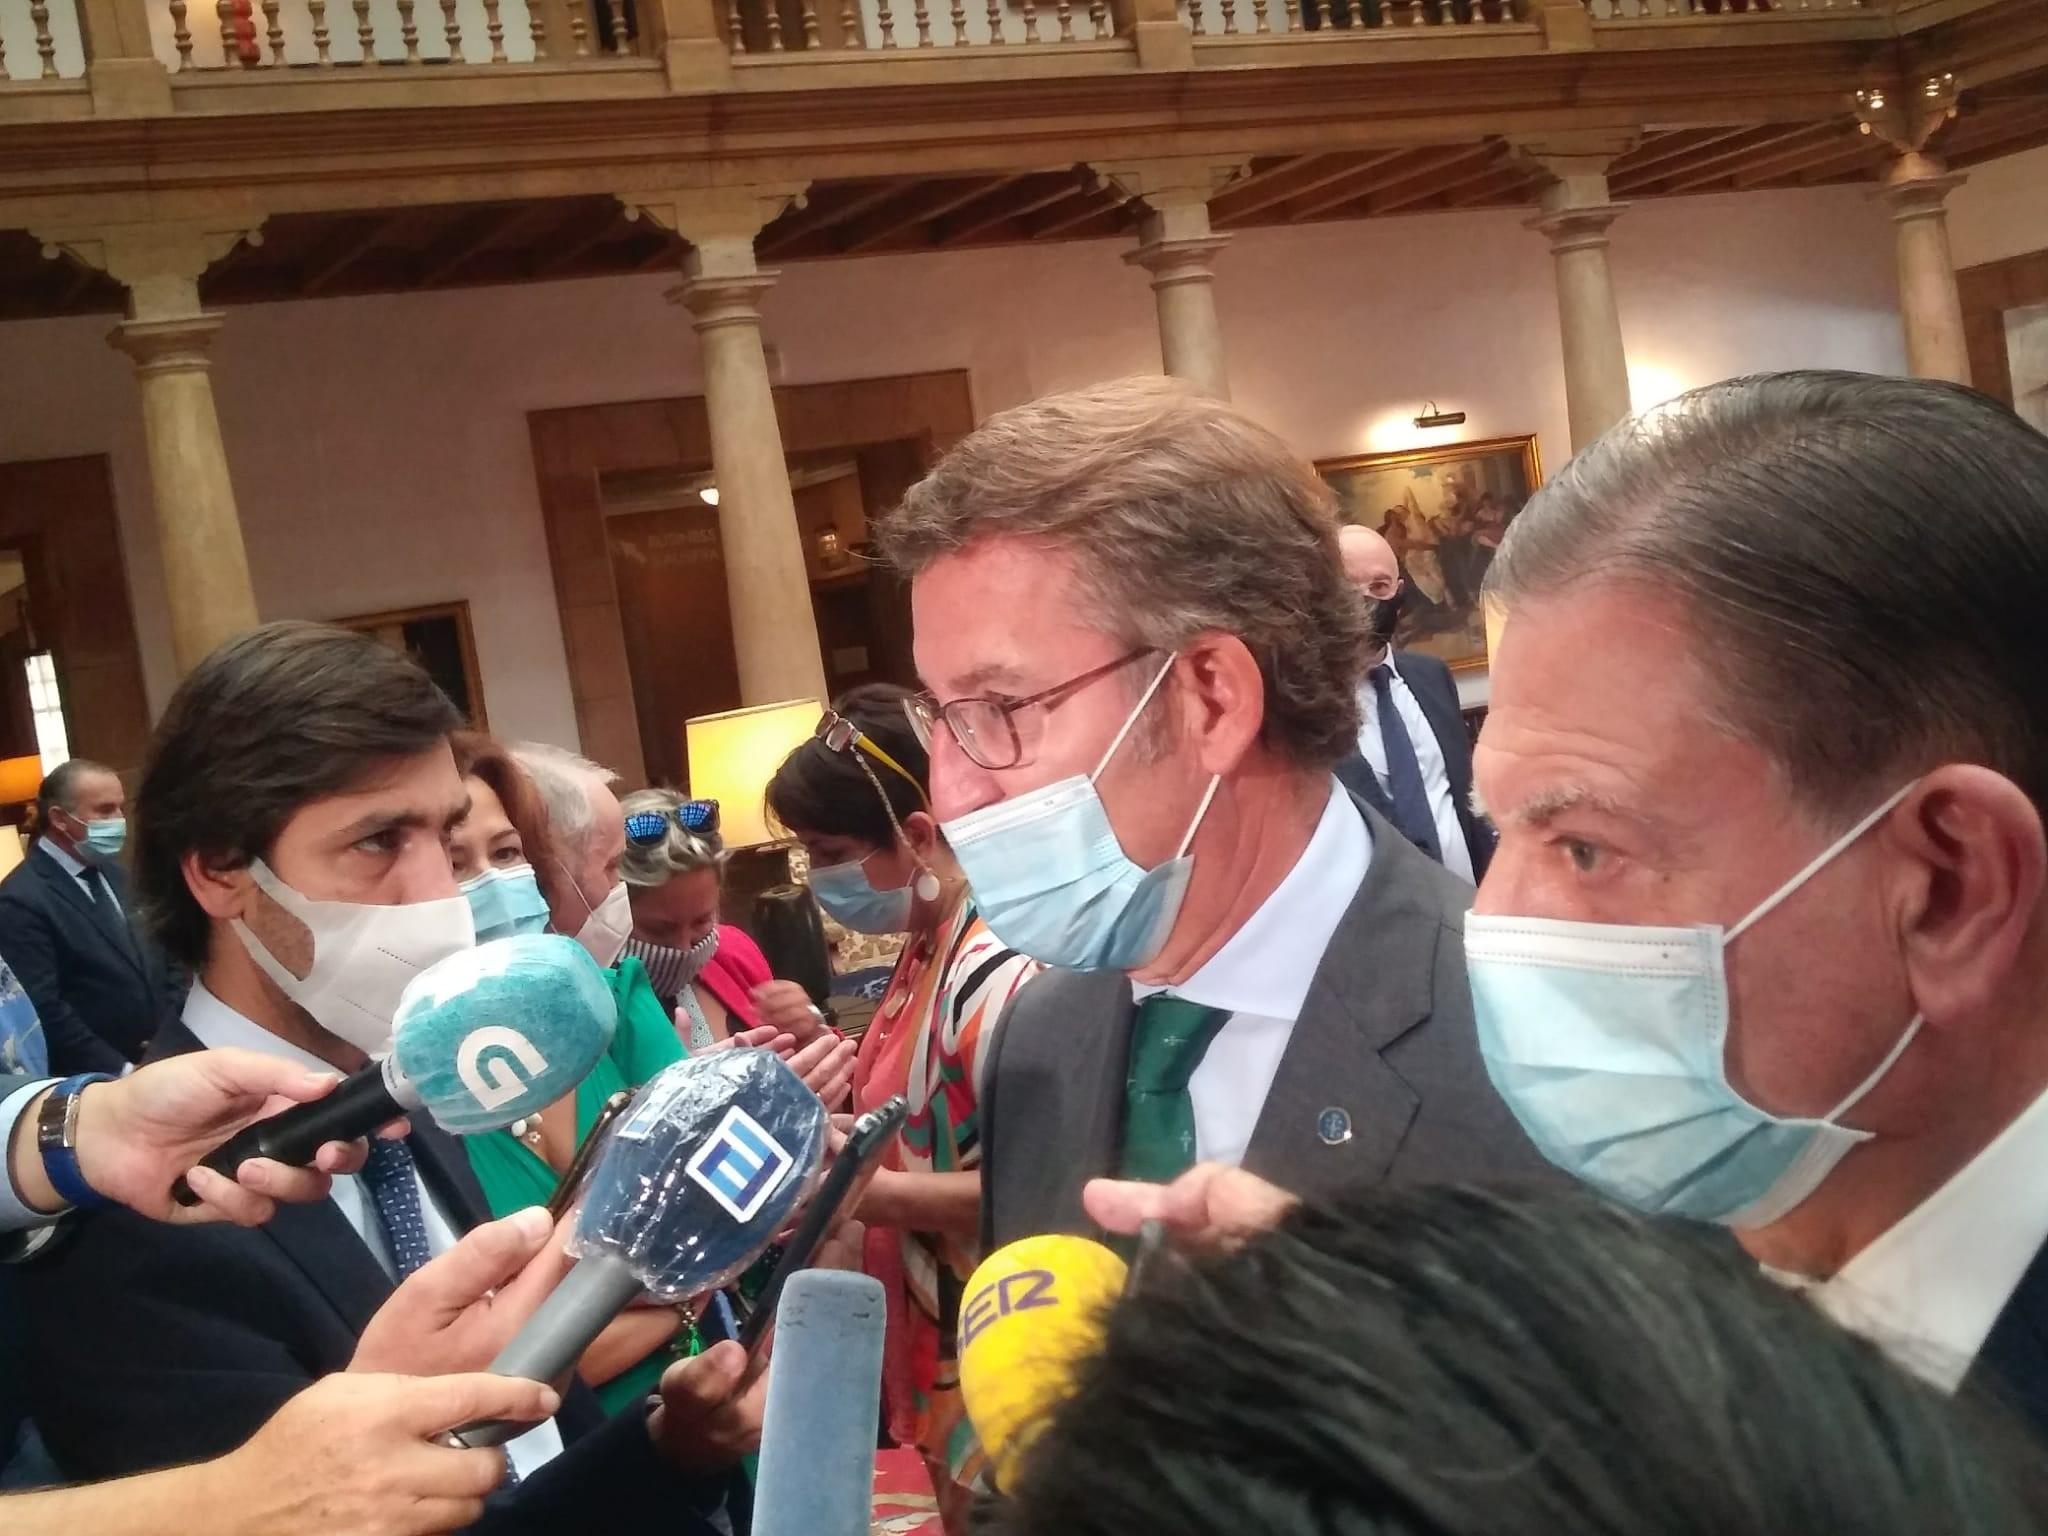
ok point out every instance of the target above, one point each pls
(927, 887)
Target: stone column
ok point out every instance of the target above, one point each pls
(1177, 246)
(168, 334)
(774, 630)
(1575, 214)
(1916, 187)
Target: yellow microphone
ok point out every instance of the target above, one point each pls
(1031, 1314)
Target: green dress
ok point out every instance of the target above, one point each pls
(514, 1176)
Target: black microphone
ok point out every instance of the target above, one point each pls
(485, 1037)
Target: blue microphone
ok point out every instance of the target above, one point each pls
(818, 1432)
(692, 1183)
(481, 1039)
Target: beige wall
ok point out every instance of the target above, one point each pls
(381, 459)
(2002, 210)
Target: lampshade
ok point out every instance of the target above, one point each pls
(20, 778)
(734, 755)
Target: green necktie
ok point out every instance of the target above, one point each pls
(1167, 1042)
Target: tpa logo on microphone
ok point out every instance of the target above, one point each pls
(739, 1165)
(496, 1082)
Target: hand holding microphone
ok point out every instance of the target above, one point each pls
(691, 1185)
(482, 1038)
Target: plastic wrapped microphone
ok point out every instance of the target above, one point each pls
(481, 1039)
(693, 1182)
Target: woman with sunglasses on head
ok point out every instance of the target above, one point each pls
(506, 866)
(855, 797)
(712, 977)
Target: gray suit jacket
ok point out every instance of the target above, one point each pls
(1385, 1035)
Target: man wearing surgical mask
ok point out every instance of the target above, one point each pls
(1141, 659)
(68, 931)
(293, 824)
(1765, 942)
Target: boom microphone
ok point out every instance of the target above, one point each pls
(817, 1469)
(693, 1182)
(1032, 1313)
(482, 1038)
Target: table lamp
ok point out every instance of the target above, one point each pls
(732, 758)
(20, 778)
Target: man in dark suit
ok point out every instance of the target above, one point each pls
(293, 817)
(67, 930)
(1413, 760)
(1143, 664)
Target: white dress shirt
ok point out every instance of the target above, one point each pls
(1262, 975)
(216, 1025)
(15, 1214)
(1429, 757)
(1930, 1290)
(75, 868)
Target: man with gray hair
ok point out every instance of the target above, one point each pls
(1765, 941)
(1143, 662)
(587, 898)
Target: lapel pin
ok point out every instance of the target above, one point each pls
(1333, 1127)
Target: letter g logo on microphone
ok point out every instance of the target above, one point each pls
(485, 1063)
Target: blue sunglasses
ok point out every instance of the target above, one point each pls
(646, 828)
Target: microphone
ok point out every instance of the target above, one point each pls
(818, 1433)
(692, 1183)
(482, 1038)
(1033, 1312)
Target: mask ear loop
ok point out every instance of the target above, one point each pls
(1826, 857)
(927, 886)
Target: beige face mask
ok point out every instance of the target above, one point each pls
(604, 933)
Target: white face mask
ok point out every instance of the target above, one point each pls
(604, 933)
(363, 956)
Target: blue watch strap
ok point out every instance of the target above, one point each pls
(56, 1139)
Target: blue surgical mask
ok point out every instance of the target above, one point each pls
(852, 902)
(1053, 882)
(506, 901)
(1609, 1042)
(107, 838)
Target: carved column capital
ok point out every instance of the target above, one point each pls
(167, 346)
(159, 264)
(1907, 116)
(719, 223)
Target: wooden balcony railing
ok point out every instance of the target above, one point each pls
(48, 42)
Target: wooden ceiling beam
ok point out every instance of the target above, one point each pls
(1727, 166)
(1489, 170)
(1425, 166)
(1804, 157)
(475, 235)
(600, 230)
(927, 201)
(823, 214)
(351, 250)
(1088, 204)
(1636, 164)
(1313, 173)
(1027, 197)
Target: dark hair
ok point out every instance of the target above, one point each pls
(819, 790)
(1454, 1361)
(481, 756)
(1864, 559)
(59, 791)
(280, 716)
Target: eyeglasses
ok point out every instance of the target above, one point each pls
(839, 734)
(997, 732)
(699, 818)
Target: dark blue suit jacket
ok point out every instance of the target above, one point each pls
(1437, 693)
(149, 1345)
(2013, 1364)
(101, 1003)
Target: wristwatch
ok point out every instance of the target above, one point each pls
(57, 1140)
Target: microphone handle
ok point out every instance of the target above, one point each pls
(818, 1432)
(594, 1292)
(358, 1106)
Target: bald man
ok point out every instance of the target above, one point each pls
(1414, 761)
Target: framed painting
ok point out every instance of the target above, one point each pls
(439, 639)
(1444, 511)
